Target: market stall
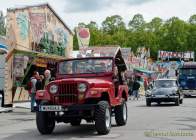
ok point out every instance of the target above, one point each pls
(24, 63)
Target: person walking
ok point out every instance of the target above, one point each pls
(136, 86)
(33, 89)
(39, 83)
(130, 86)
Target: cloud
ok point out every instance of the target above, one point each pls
(86, 5)
(137, 2)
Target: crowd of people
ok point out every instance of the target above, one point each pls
(38, 82)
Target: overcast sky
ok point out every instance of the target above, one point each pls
(75, 11)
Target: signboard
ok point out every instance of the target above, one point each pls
(83, 36)
(40, 62)
(169, 54)
(19, 66)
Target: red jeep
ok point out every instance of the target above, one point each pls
(91, 88)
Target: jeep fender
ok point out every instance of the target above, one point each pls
(97, 92)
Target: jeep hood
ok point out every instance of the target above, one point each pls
(97, 82)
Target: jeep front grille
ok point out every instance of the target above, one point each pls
(67, 94)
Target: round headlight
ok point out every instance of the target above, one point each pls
(82, 87)
(53, 89)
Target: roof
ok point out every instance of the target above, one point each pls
(34, 53)
(144, 70)
(42, 5)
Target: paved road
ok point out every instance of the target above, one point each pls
(165, 122)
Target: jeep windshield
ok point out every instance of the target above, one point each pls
(85, 66)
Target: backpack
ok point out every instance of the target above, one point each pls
(29, 85)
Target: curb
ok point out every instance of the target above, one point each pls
(5, 110)
(24, 105)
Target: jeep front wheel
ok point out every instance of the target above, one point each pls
(103, 118)
(45, 122)
(121, 114)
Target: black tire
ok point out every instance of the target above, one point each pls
(148, 103)
(75, 122)
(181, 101)
(120, 113)
(45, 122)
(159, 103)
(103, 125)
(177, 102)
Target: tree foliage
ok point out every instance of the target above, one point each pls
(173, 34)
(2, 24)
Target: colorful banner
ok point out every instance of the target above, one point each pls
(83, 36)
(169, 54)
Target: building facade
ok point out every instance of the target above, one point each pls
(35, 28)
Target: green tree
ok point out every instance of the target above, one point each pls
(155, 25)
(81, 24)
(175, 33)
(137, 22)
(192, 38)
(192, 19)
(92, 25)
(155, 33)
(113, 24)
(2, 24)
(172, 35)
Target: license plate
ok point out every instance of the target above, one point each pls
(50, 108)
(159, 96)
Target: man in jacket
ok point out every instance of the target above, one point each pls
(136, 86)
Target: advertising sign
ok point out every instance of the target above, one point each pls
(180, 55)
(83, 36)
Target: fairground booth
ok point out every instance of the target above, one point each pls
(24, 63)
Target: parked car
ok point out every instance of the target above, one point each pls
(85, 88)
(164, 90)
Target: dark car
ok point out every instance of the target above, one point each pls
(164, 90)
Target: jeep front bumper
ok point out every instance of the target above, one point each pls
(61, 108)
